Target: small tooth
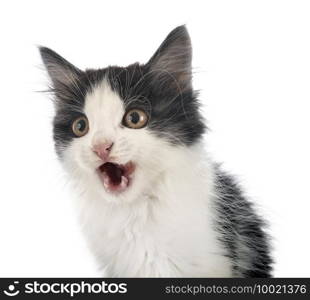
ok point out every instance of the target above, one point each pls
(106, 180)
(124, 182)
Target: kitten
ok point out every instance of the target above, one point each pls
(152, 204)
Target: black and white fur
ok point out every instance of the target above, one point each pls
(181, 216)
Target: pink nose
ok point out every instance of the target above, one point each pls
(103, 150)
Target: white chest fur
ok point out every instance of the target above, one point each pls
(167, 232)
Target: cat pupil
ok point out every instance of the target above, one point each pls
(81, 125)
(134, 117)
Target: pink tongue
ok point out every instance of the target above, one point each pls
(108, 184)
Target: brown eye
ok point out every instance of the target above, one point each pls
(135, 119)
(80, 126)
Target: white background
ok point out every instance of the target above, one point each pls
(252, 63)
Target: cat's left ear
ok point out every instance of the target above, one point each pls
(174, 58)
(61, 72)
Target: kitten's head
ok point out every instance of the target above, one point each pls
(117, 129)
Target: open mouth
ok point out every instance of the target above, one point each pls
(116, 177)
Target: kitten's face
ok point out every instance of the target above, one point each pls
(117, 129)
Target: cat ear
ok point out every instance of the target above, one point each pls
(174, 58)
(61, 72)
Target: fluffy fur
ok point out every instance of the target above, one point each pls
(181, 216)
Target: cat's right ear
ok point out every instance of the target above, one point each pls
(173, 59)
(61, 72)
